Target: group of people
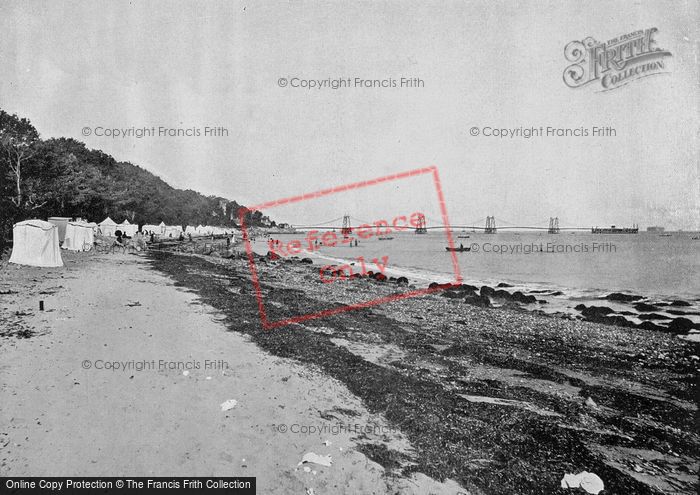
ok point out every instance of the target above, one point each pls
(138, 240)
(141, 239)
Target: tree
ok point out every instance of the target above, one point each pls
(18, 139)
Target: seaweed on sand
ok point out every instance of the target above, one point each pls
(487, 448)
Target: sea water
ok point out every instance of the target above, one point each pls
(581, 265)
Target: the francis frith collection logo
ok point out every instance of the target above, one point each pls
(616, 62)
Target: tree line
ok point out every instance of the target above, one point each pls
(62, 177)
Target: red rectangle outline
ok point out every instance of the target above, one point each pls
(267, 325)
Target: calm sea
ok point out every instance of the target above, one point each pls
(583, 266)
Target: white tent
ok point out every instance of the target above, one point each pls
(190, 230)
(79, 236)
(35, 243)
(128, 228)
(61, 223)
(108, 227)
(162, 228)
(202, 230)
(172, 231)
(150, 228)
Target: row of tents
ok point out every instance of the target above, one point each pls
(38, 243)
(109, 227)
(162, 230)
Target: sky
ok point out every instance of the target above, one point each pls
(79, 69)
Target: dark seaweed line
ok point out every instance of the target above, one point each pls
(528, 455)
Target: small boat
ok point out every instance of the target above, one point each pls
(664, 235)
(460, 249)
(385, 238)
(462, 237)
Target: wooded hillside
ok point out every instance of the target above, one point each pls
(62, 177)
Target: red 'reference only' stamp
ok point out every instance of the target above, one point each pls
(313, 240)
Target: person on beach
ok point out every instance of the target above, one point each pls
(139, 241)
(119, 242)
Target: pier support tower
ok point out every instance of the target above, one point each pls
(553, 225)
(422, 225)
(490, 225)
(346, 229)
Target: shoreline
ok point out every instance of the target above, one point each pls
(592, 293)
(477, 375)
(618, 307)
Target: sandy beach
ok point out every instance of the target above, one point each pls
(60, 419)
(426, 395)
